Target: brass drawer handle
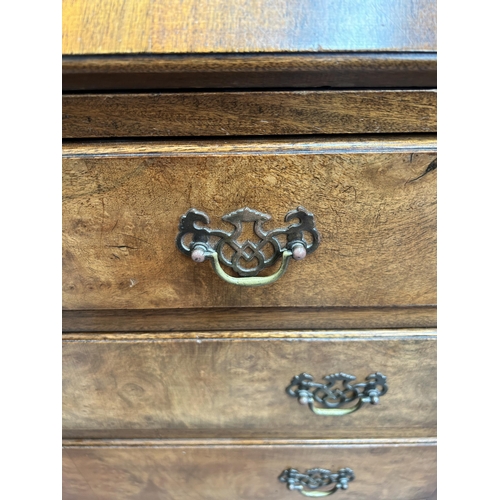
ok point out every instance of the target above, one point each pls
(223, 247)
(317, 478)
(333, 398)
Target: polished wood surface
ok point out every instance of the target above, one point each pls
(213, 71)
(261, 318)
(173, 380)
(248, 113)
(216, 26)
(373, 200)
(391, 471)
(233, 385)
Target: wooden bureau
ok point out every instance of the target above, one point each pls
(191, 129)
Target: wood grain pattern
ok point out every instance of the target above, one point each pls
(262, 318)
(207, 71)
(374, 204)
(379, 334)
(142, 386)
(216, 26)
(248, 113)
(74, 485)
(248, 146)
(395, 472)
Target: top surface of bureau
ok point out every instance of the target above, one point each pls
(151, 44)
(245, 26)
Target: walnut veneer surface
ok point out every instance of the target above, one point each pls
(234, 386)
(393, 471)
(375, 210)
(174, 380)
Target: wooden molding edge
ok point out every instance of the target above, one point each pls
(270, 70)
(359, 144)
(248, 113)
(217, 442)
(335, 335)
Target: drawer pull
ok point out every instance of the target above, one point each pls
(247, 258)
(333, 398)
(317, 478)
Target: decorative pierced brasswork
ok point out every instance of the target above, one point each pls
(338, 391)
(317, 478)
(235, 254)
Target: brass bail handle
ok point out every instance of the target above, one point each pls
(222, 247)
(250, 281)
(330, 398)
(318, 494)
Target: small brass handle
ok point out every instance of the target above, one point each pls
(336, 412)
(247, 258)
(251, 280)
(333, 398)
(316, 478)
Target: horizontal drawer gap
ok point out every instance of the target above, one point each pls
(277, 90)
(228, 90)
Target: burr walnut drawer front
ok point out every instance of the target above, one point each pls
(239, 384)
(370, 200)
(217, 470)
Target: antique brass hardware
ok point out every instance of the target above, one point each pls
(223, 247)
(334, 398)
(317, 478)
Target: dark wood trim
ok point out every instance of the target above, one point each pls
(258, 113)
(251, 318)
(233, 71)
(227, 436)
